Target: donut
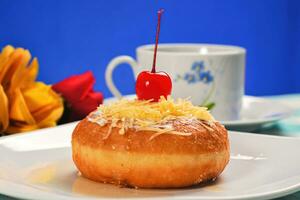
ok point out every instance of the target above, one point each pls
(167, 144)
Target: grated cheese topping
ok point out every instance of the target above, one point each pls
(147, 115)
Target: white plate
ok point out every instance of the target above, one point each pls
(255, 113)
(38, 166)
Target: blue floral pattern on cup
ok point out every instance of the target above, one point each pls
(197, 74)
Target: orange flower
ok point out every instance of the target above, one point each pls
(25, 104)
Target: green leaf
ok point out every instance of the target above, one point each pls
(209, 105)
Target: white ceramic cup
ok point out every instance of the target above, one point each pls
(210, 75)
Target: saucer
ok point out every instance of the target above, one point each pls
(256, 112)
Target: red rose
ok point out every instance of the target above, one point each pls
(79, 95)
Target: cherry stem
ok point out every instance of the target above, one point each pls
(159, 14)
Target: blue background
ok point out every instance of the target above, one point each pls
(70, 37)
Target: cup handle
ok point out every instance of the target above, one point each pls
(110, 68)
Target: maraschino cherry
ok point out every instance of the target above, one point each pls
(152, 85)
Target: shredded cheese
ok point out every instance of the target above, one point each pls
(147, 112)
(147, 115)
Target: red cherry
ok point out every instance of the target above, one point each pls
(153, 85)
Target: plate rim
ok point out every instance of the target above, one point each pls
(41, 194)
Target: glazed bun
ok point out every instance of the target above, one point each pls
(183, 152)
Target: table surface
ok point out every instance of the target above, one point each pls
(287, 127)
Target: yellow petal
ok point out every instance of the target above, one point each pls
(4, 56)
(4, 119)
(9, 66)
(37, 95)
(32, 71)
(19, 74)
(19, 110)
(44, 104)
(47, 124)
(50, 114)
(15, 127)
(8, 49)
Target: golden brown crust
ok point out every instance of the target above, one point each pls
(204, 138)
(137, 160)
